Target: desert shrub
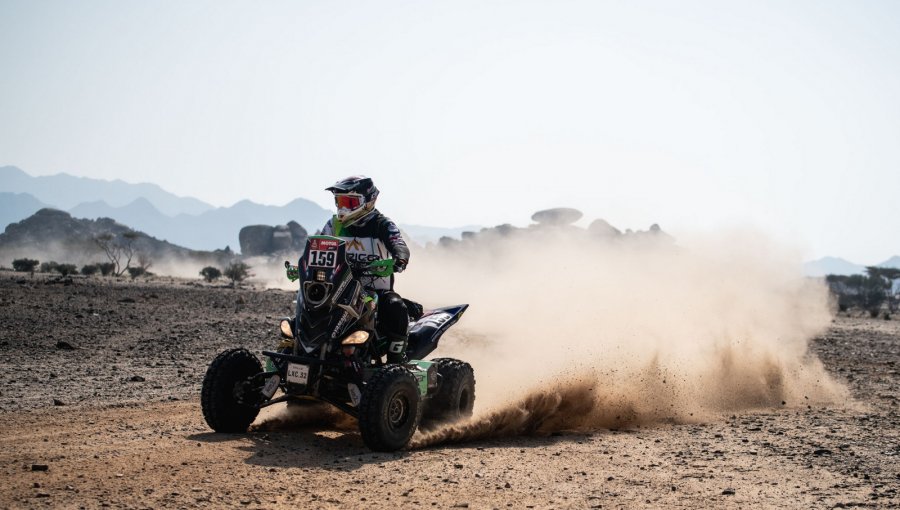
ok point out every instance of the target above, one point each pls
(48, 267)
(25, 265)
(89, 269)
(237, 272)
(886, 316)
(106, 268)
(66, 269)
(135, 272)
(873, 312)
(210, 273)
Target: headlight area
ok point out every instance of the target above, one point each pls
(352, 341)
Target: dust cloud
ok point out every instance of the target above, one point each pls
(568, 332)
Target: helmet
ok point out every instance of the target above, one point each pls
(354, 197)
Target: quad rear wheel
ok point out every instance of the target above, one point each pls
(455, 397)
(222, 386)
(389, 412)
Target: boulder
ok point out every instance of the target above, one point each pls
(557, 216)
(298, 235)
(281, 239)
(265, 240)
(256, 240)
(602, 228)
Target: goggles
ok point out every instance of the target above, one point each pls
(348, 201)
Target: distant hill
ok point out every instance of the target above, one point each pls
(66, 191)
(213, 229)
(891, 262)
(836, 265)
(51, 234)
(832, 265)
(422, 234)
(16, 206)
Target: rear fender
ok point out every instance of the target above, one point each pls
(425, 333)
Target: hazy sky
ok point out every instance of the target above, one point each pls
(781, 115)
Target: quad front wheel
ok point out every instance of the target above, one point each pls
(389, 411)
(222, 386)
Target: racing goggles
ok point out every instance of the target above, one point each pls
(349, 201)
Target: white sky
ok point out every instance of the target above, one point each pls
(782, 115)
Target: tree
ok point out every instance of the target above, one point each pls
(136, 271)
(119, 249)
(25, 265)
(106, 268)
(237, 272)
(48, 267)
(89, 269)
(66, 269)
(210, 273)
(866, 292)
(889, 276)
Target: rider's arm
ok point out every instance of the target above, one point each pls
(390, 235)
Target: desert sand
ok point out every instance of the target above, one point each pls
(99, 407)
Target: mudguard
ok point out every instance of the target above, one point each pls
(425, 333)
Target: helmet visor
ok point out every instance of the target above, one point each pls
(348, 201)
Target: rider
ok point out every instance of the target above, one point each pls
(372, 236)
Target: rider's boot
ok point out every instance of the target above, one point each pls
(397, 348)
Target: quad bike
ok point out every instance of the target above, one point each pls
(331, 351)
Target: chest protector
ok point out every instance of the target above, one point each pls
(361, 249)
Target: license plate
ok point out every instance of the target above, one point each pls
(297, 374)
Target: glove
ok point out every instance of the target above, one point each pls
(399, 265)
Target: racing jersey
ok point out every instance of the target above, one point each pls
(374, 237)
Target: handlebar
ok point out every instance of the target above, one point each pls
(380, 268)
(377, 269)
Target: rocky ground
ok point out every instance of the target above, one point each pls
(99, 407)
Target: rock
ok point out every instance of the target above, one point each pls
(281, 239)
(256, 240)
(822, 451)
(136, 378)
(265, 240)
(557, 216)
(58, 402)
(298, 235)
(64, 346)
(126, 300)
(728, 492)
(601, 228)
(40, 467)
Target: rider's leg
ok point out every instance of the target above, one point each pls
(393, 322)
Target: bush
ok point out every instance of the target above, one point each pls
(106, 268)
(49, 267)
(25, 265)
(237, 272)
(89, 269)
(210, 273)
(66, 269)
(134, 272)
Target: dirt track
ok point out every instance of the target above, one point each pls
(128, 432)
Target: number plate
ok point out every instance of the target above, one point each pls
(322, 258)
(297, 374)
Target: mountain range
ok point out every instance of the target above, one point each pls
(835, 265)
(184, 221)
